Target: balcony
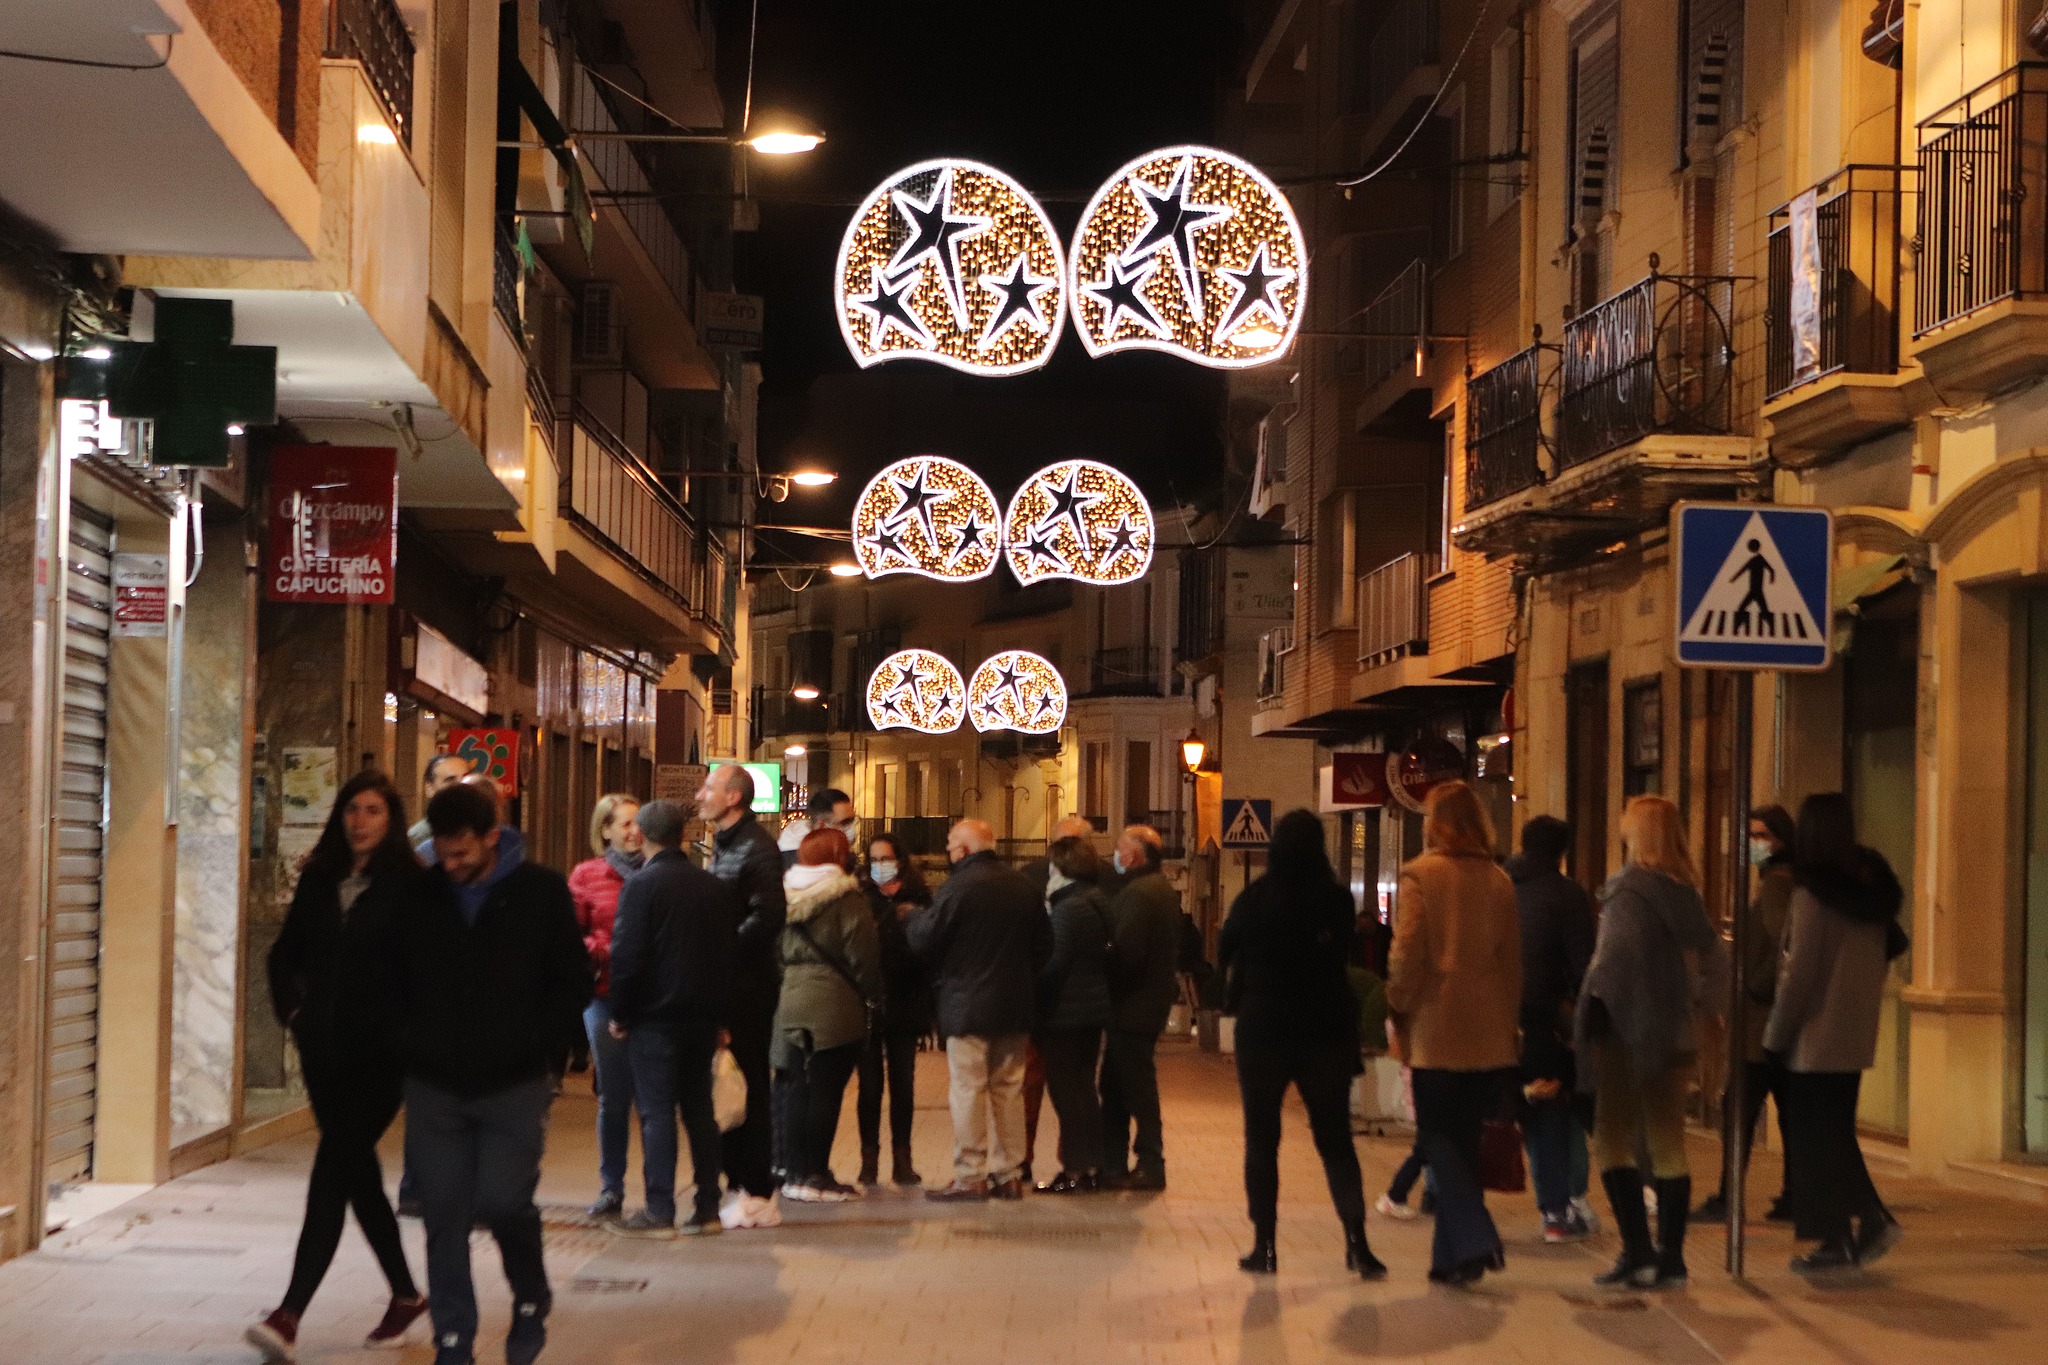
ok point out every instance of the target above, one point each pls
(1981, 296)
(1393, 610)
(617, 500)
(373, 33)
(1385, 366)
(778, 714)
(506, 272)
(1839, 382)
(1503, 429)
(1396, 68)
(1125, 671)
(1276, 647)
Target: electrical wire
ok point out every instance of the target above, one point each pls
(157, 65)
(1434, 100)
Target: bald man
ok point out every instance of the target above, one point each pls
(984, 939)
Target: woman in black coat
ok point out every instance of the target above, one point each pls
(894, 889)
(1284, 951)
(359, 874)
(1074, 1009)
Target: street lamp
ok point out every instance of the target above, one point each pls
(804, 692)
(781, 133)
(1192, 751)
(813, 478)
(845, 570)
(794, 751)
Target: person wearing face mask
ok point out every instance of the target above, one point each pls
(828, 808)
(894, 890)
(1144, 918)
(1770, 852)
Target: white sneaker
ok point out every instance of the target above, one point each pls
(1583, 1207)
(751, 1211)
(797, 1193)
(1398, 1212)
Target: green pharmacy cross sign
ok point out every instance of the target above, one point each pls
(193, 382)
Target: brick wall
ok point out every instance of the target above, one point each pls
(275, 47)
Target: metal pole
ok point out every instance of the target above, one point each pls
(1735, 1148)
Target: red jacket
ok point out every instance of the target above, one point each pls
(595, 885)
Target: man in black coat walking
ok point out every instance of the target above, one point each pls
(985, 938)
(1144, 983)
(1557, 942)
(672, 952)
(744, 857)
(481, 993)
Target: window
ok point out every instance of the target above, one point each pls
(1709, 75)
(1441, 541)
(1642, 737)
(1450, 124)
(1095, 782)
(1592, 142)
(1336, 549)
(1504, 123)
(1137, 782)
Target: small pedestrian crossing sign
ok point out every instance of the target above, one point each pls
(1247, 822)
(1753, 585)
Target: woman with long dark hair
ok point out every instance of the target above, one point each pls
(895, 889)
(1844, 932)
(356, 877)
(1284, 951)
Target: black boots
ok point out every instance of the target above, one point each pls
(1636, 1267)
(870, 1167)
(1674, 1202)
(904, 1173)
(1358, 1257)
(1261, 1259)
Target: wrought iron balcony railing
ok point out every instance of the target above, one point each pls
(506, 268)
(1503, 429)
(1984, 198)
(373, 33)
(633, 196)
(1393, 609)
(613, 495)
(1656, 357)
(1859, 217)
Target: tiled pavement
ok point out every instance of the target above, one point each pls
(177, 1274)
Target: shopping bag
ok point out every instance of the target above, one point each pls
(1500, 1157)
(728, 1090)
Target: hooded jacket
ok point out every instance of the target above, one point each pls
(1844, 924)
(1557, 942)
(828, 921)
(1657, 961)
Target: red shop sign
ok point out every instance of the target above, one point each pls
(1422, 767)
(333, 524)
(492, 752)
(1358, 779)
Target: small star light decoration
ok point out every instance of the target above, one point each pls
(1079, 519)
(1017, 690)
(953, 262)
(1193, 251)
(915, 689)
(927, 515)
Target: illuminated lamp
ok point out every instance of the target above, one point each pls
(927, 515)
(1082, 520)
(1193, 750)
(1192, 251)
(1017, 690)
(952, 262)
(915, 689)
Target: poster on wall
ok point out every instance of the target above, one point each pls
(142, 596)
(332, 524)
(492, 752)
(308, 784)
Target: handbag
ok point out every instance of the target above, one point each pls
(837, 963)
(728, 1090)
(1500, 1157)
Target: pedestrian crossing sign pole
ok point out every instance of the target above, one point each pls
(1754, 592)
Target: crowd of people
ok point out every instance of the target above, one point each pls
(437, 969)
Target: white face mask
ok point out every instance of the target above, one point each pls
(883, 870)
(1760, 851)
(1116, 860)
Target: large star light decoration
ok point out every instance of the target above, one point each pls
(927, 515)
(952, 262)
(915, 689)
(1082, 520)
(1193, 251)
(1017, 690)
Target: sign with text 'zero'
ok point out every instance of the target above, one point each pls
(1754, 585)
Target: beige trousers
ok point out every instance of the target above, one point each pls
(987, 1093)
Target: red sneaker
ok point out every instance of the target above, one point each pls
(277, 1337)
(398, 1319)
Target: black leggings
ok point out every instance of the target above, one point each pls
(1322, 1076)
(353, 1106)
(807, 1101)
(893, 1050)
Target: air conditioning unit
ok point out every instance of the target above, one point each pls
(600, 330)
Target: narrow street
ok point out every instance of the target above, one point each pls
(175, 1275)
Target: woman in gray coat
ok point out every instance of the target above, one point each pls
(1844, 932)
(1073, 1009)
(831, 972)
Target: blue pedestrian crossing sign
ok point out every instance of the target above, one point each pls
(1247, 822)
(1753, 585)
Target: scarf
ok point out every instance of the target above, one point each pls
(624, 863)
(1054, 880)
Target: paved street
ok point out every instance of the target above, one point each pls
(176, 1275)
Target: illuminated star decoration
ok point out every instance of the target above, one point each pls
(971, 259)
(1017, 690)
(927, 515)
(915, 689)
(1208, 227)
(1079, 519)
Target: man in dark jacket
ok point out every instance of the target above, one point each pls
(1557, 941)
(672, 951)
(985, 938)
(744, 857)
(482, 994)
(1144, 917)
(1039, 873)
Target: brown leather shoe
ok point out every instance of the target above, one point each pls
(959, 1192)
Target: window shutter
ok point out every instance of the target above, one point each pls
(1713, 68)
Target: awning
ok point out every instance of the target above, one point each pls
(1884, 37)
(1857, 584)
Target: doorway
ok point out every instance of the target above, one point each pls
(2034, 983)
(1586, 742)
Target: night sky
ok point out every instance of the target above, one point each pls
(1059, 94)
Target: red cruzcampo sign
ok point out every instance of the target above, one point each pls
(333, 524)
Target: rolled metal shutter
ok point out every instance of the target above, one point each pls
(74, 995)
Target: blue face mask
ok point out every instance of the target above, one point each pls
(882, 870)
(1116, 860)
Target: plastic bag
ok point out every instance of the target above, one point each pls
(728, 1090)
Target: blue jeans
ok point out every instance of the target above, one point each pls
(614, 1096)
(1450, 1109)
(671, 1073)
(478, 1160)
(1547, 1128)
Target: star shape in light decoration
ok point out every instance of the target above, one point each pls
(1019, 291)
(1174, 221)
(927, 515)
(1079, 519)
(1255, 286)
(1008, 679)
(915, 689)
(888, 303)
(1122, 296)
(913, 676)
(1017, 690)
(1067, 504)
(1119, 539)
(935, 233)
(1039, 545)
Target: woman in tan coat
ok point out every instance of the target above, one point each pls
(1453, 991)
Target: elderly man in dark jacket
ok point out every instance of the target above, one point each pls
(745, 858)
(1145, 919)
(985, 938)
(671, 967)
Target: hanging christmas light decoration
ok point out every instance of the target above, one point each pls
(1079, 519)
(1193, 251)
(927, 515)
(1017, 690)
(953, 262)
(915, 689)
